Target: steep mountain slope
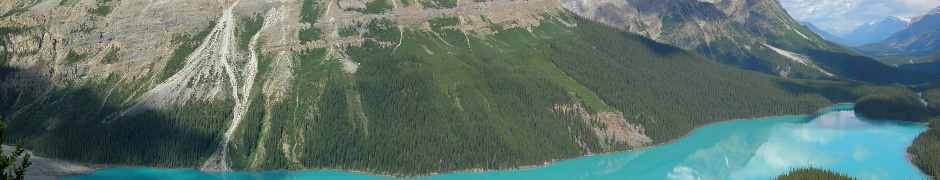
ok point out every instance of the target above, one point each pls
(877, 31)
(383, 86)
(752, 34)
(830, 37)
(920, 37)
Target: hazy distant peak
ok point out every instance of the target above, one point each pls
(905, 19)
(935, 10)
(870, 32)
(892, 18)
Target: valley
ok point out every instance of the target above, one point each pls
(408, 88)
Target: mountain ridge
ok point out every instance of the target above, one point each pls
(877, 31)
(828, 36)
(744, 34)
(920, 36)
(382, 86)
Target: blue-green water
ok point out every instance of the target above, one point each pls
(834, 139)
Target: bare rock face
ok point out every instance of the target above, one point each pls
(674, 21)
(611, 128)
(725, 30)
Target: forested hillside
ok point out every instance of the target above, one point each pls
(814, 174)
(907, 106)
(925, 151)
(929, 64)
(306, 86)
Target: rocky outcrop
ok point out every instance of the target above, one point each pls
(611, 128)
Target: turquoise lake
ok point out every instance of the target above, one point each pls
(834, 138)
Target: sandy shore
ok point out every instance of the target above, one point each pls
(46, 168)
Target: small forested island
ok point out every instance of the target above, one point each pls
(813, 173)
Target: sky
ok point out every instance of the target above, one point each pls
(841, 16)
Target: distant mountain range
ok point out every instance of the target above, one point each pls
(403, 88)
(877, 31)
(756, 35)
(865, 34)
(826, 35)
(919, 38)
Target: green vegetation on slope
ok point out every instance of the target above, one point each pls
(187, 44)
(9, 169)
(101, 10)
(70, 124)
(72, 57)
(111, 56)
(896, 105)
(813, 174)
(857, 67)
(309, 13)
(906, 106)
(929, 64)
(248, 27)
(374, 7)
(440, 4)
(670, 91)
(442, 100)
(20, 6)
(925, 150)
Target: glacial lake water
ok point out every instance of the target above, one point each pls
(834, 138)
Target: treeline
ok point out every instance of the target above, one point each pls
(925, 150)
(417, 119)
(310, 11)
(899, 105)
(907, 106)
(73, 124)
(813, 174)
(443, 100)
(670, 91)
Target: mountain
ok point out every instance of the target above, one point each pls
(876, 31)
(921, 37)
(829, 37)
(398, 88)
(756, 35)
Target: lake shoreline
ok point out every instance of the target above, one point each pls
(43, 168)
(546, 163)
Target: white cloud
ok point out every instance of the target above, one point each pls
(860, 153)
(683, 173)
(840, 14)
